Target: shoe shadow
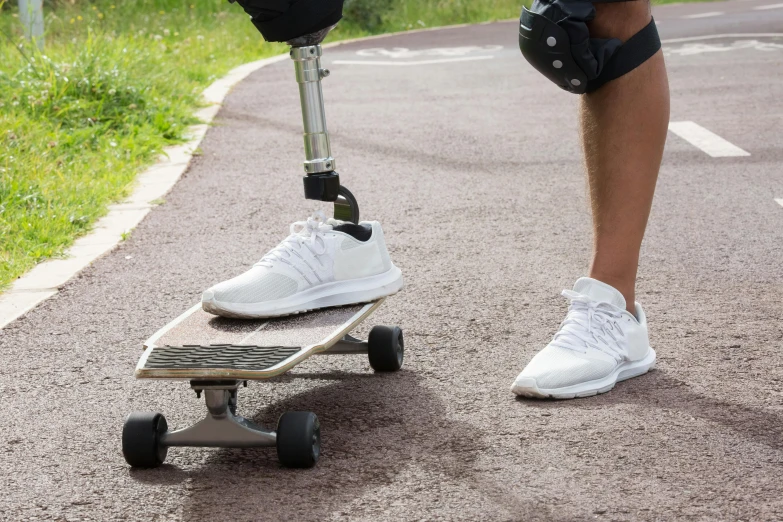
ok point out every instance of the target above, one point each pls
(657, 389)
(229, 325)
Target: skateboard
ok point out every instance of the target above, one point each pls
(217, 355)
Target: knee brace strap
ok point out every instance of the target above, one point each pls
(553, 37)
(284, 20)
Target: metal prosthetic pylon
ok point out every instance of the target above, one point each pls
(321, 181)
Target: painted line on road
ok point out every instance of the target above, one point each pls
(724, 35)
(779, 201)
(703, 15)
(770, 6)
(419, 62)
(705, 140)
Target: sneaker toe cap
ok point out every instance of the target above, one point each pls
(526, 387)
(555, 368)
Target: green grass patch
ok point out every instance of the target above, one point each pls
(402, 15)
(656, 2)
(117, 82)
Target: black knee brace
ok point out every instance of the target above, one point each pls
(553, 37)
(284, 20)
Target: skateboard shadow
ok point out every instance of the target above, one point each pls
(376, 429)
(337, 375)
(657, 389)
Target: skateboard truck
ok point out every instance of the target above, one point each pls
(221, 427)
(146, 437)
(321, 181)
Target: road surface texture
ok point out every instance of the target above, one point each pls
(474, 169)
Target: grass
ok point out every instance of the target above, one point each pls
(401, 15)
(117, 83)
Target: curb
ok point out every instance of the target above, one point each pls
(45, 279)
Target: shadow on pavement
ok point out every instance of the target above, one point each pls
(166, 475)
(658, 389)
(376, 429)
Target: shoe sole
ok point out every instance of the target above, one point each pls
(338, 293)
(527, 387)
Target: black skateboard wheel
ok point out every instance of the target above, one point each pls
(141, 439)
(298, 439)
(386, 348)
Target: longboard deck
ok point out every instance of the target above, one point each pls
(199, 345)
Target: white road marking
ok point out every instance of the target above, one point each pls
(704, 15)
(705, 140)
(699, 48)
(419, 62)
(725, 35)
(446, 52)
(779, 201)
(770, 6)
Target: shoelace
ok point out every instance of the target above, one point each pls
(308, 234)
(590, 325)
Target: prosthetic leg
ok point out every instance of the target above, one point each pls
(303, 24)
(321, 181)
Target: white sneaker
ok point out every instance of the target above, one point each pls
(598, 344)
(321, 264)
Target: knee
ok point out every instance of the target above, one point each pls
(619, 20)
(580, 45)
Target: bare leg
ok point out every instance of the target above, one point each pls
(624, 125)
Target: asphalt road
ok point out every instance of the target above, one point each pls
(474, 169)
